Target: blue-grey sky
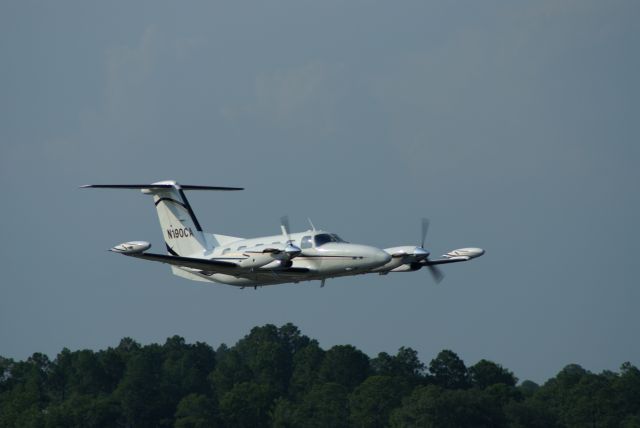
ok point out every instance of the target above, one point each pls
(513, 126)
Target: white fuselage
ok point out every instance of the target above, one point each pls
(318, 260)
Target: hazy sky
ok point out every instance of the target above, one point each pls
(513, 126)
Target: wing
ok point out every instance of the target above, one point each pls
(216, 266)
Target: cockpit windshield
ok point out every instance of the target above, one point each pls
(323, 238)
(336, 238)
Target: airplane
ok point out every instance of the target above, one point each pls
(256, 262)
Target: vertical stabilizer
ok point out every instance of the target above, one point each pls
(180, 228)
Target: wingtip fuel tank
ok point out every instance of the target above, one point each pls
(132, 247)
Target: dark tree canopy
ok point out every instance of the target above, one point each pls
(486, 373)
(344, 365)
(278, 377)
(448, 371)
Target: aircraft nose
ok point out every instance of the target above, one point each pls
(384, 256)
(378, 256)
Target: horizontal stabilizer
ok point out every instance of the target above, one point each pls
(157, 186)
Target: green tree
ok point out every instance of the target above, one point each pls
(528, 388)
(485, 373)
(5, 374)
(326, 405)
(113, 364)
(292, 338)
(247, 405)
(283, 414)
(373, 400)
(590, 403)
(87, 374)
(23, 403)
(196, 411)
(60, 375)
(432, 406)
(84, 411)
(345, 365)
(448, 371)
(268, 356)
(185, 369)
(139, 391)
(627, 389)
(529, 414)
(230, 370)
(580, 398)
(404, 364)
(265, 356)
(306, 364)
(631, 421)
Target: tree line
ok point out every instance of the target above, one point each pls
(278, 377)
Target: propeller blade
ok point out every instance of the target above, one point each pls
(284, 225)
(436, 273)
(425, 229)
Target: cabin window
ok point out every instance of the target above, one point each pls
(306, 242)
(242, 247)
(226, 250)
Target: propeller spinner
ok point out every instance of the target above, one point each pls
(290, 248)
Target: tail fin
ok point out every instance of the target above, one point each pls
(181, 230)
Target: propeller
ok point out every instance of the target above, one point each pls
(423, 255)
(419, 253)
(436, 273)
(425, 229)
(290, 249)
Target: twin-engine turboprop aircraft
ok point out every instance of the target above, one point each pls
(288, 257)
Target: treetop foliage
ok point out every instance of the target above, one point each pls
(278, 377)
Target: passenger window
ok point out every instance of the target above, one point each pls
(275, 243)
(242, 247)
(306, 242)
(226, 250)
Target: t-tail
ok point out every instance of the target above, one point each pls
(181, 229)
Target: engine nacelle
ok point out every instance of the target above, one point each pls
(132, 247)
(408, 267)
(278, 264)
(255, 260)
(411, 251)
(282, 252)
